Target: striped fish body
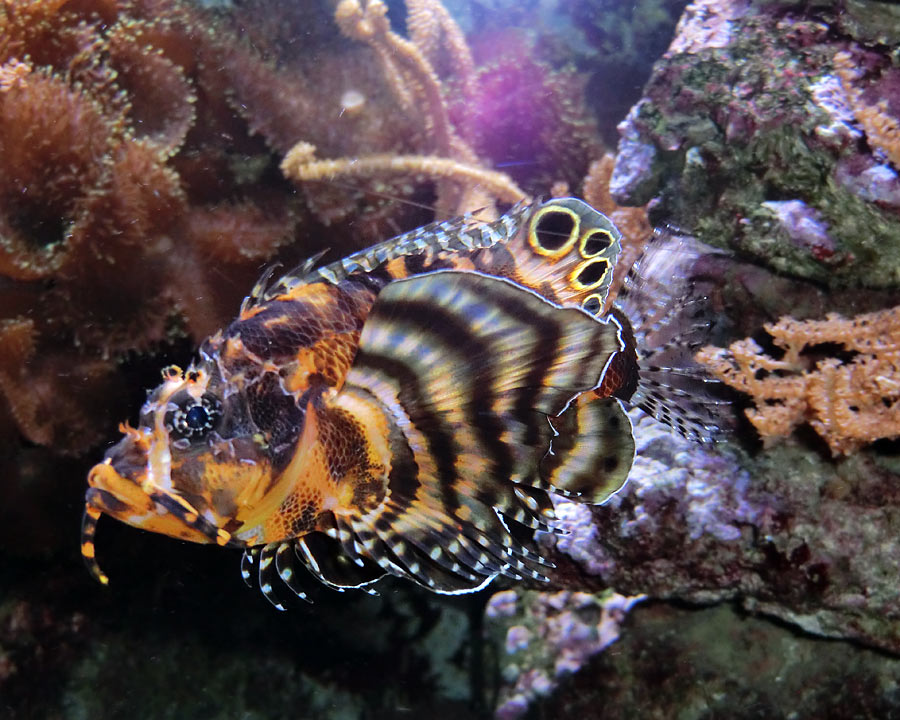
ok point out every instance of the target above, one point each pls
(405, 410)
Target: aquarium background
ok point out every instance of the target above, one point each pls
(143, 190)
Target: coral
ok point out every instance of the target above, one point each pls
(238, 233)
(52, 171)
(160, 108)
(547, 636)
(462, 185)
(849, 401)
(300, 164)
(878, 119)
(432, 29)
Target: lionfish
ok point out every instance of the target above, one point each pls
(409, 409)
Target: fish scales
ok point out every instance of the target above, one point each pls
(405, 410)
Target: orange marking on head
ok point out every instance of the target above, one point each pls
(306, 478)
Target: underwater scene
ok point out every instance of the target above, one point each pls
(470, 359)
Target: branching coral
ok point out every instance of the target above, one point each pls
(850, 396)
(462, 183)
(877, 117)
(300, 163)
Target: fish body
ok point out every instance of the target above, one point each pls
(405, 410)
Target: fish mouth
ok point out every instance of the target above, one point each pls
(142, 505)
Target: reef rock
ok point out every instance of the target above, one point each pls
(786, 533)
(774, 129)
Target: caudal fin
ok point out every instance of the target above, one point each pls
(665, 299)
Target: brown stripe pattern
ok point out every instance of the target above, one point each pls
(469, 369)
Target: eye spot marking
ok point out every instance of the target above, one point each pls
(592, 304)
(553, 231)
(594, 242)
(590, 274)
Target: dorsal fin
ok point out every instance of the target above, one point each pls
(459, 236)
(562, 249)
(565, 251)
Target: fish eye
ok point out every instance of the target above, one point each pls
(197, 417)
(190, 419)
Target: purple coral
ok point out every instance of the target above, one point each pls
(553, 635)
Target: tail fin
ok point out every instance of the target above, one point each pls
(664, 299)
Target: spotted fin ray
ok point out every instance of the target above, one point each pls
(471, 372)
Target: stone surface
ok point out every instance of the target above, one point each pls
(747, 136)
(698, 664)
(785, 532)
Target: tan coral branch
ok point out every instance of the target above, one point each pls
(300, 164)
(848, 402)
(881, 127)
(430, 25)
(371, 25)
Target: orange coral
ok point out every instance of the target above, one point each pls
(881, 126)
(848, 401)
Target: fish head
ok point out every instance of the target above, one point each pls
(196, 467)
